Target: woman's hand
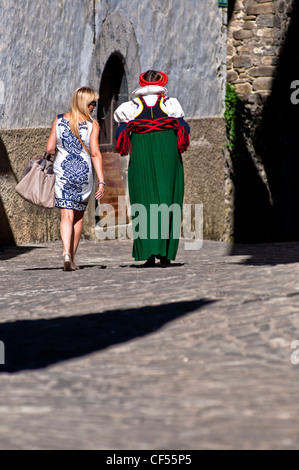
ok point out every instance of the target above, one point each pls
(100, 192)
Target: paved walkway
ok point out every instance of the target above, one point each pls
(192, 356)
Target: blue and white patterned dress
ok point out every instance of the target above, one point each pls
(72, 166)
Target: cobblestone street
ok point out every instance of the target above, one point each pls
(196, 355)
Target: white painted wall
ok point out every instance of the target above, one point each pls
(46, 52)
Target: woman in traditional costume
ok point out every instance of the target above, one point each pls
(152, 130)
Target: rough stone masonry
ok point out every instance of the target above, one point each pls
(255, 36)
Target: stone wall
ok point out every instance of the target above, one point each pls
(204, 168)
(48, 49)
(262, 63)
(255, 37)
(21, 222)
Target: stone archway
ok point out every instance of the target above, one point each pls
(115, 70)
(113, 91)
(116, 36)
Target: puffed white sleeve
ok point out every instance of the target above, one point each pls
(173, 108)
(125, 112)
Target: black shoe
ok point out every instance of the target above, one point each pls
(164, 261)
(150, 263)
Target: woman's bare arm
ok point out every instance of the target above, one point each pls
(96, 157)
(51, 144)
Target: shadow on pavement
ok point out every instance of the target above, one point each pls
(267, 253)
(35, 344)
(8, 252)
(60, 268)
(158, 265)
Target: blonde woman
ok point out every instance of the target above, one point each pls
(74, 139)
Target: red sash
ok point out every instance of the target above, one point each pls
(143, 126)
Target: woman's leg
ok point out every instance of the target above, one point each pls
(67, 230)
(78, 225)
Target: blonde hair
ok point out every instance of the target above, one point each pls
(79, 106)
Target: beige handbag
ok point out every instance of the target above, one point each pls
(37, 182)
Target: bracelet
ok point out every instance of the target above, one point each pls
(101, 182)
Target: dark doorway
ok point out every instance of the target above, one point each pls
(113, 92)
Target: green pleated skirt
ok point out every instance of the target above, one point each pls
(156, 189)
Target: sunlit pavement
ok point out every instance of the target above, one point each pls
(196, 355)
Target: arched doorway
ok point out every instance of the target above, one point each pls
(113, 91)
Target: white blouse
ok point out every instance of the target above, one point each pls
(130, 109)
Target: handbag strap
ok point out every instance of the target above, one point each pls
(78, 137)
(44, 159)
(82, 143)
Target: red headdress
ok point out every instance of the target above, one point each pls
(161, 82)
